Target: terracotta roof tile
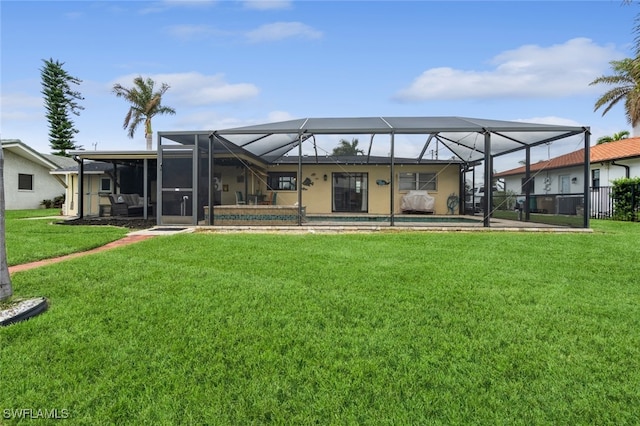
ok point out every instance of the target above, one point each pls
(618, 150)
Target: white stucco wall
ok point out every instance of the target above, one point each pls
(45, 186)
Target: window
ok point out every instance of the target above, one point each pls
(105, 185)
(532, 186)
(25, 182)
(595, 178)
(283, 181)
(425, 181)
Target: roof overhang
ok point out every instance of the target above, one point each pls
(115, 155)
(18, 148)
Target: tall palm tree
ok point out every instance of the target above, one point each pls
(626, 79)
(145, 104)
(347, 148)
(623, 134)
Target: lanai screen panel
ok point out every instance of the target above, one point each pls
(462, 136)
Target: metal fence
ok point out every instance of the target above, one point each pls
(602, 202)
(605, 206)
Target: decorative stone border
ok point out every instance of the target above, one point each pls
(23, 310)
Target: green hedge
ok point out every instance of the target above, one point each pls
(626, 198)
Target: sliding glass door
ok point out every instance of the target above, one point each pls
(350, 192)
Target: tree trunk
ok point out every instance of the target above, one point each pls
(6, 290)
(149, 137)
(636, 131)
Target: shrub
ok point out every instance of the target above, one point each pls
(626, 198)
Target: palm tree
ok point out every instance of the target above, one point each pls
(347, 148)
(145, 104)
(623, 134)
(626, 77)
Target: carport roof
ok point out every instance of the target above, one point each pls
(462, 136)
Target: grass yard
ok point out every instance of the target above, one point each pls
(31, 236)
(400, 328)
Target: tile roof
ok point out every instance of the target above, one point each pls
(618, 150)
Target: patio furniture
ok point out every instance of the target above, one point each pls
(126, 204)
(417, 202)
(240, 198)
(271, 199)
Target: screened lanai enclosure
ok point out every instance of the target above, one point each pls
(383, 170)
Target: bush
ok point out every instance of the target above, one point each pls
(626, 198)
(58, 201)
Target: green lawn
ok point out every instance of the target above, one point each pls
(399, 328)
(31, 235)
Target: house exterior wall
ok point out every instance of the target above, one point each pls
(70, 206)
(45, 186)
(317, 198)
(94, 199)
(549, 182)
(610, 172)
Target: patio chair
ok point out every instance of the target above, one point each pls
(271, 199)
(239, 198)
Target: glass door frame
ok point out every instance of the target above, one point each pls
(353, 177)
(164, 153)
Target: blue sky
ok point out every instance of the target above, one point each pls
(233, 63)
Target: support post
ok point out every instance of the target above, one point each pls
(299, 179)
(587, 177)
(488, 173)
(527, 185)
(392, 184)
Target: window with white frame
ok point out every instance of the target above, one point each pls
(105, 184)
(595, 178)
(25, 182)
(425, 181)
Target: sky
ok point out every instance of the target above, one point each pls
(234, 63)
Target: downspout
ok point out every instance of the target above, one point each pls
(627, 172)
(80, 186)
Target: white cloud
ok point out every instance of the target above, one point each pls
(276, 116)
(267, 4)
(530, 71)
(282, 30)
(195, 89)
(194, 31)
(162, 6)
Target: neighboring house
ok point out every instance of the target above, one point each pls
(27, 176)
(558, 183)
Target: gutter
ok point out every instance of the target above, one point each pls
(626, 168)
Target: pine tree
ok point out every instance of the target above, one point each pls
(60, 101)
